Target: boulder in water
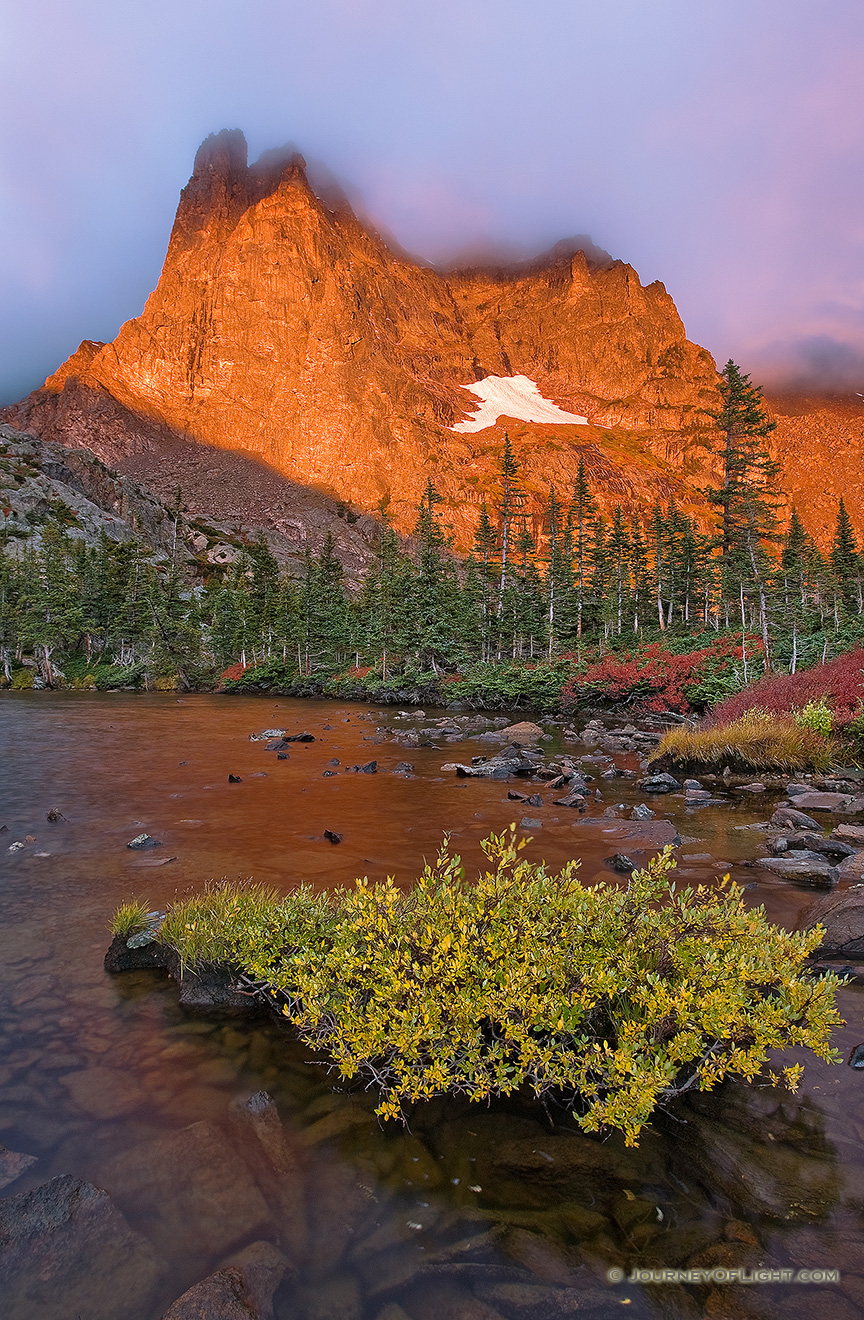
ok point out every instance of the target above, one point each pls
(66, 1250)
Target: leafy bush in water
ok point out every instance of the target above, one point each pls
(756, 741)
(839, 684)
(616, 998)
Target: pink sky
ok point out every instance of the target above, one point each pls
(716, 146)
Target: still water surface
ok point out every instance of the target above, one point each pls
(474, 1213)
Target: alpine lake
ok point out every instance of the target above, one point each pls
(468, 1212)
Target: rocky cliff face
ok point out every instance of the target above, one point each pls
(284, 329)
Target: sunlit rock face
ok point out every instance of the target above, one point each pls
(283, 327)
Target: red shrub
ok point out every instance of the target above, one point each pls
(657, 676)
(232, 673)
(839, 681)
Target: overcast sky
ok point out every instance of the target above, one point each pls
(714, 144)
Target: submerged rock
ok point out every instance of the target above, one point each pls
(241, 1290)
(66, 1251)
(13, 1164)
(621, 862)
(275, 1160)
(190, 1186)
(645, 834)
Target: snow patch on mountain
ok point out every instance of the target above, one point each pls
(513, 396)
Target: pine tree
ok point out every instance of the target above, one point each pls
(582, 510)
(748, 497)
(639, 575)
(845, 562)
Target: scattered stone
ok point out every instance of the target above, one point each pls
(696, 795)
(329, 774)
(523, 733)
(144, 841)
(54, 815)
(234, 779)
(691, 783)
(755, 787)
(282, 756)
(514, 796)
(842, 916)
(370, 768)
(65, 1250)
(612, 812)
(621, 862)
(821, 801)
(828, 847)
(661, 783)
(786, 816)
(13, 1164)
(265, 734)
(300, 737)
(794, 789)
(853, 834)
(856, 1057)
(403, 768)
(332, 836)
(642, 812)
(528, 823)
(851, 869)
(576, 800)
(804, 870)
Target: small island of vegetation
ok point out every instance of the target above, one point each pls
(612, 999)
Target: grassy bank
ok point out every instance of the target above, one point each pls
(612, 999)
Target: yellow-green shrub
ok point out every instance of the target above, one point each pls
(618, 998)
(755, 741)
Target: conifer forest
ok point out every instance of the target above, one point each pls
(530, 606)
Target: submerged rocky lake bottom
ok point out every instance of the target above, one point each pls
(151, 1152)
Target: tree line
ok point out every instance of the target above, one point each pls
(531, 588)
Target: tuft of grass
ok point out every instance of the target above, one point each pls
(214, 926)
(130, 918)
(755, 741)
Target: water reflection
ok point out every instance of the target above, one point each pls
(472, 1213)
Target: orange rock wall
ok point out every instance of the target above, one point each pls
(286, 329)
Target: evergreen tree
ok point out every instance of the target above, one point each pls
(582, 510)
(845, 562)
